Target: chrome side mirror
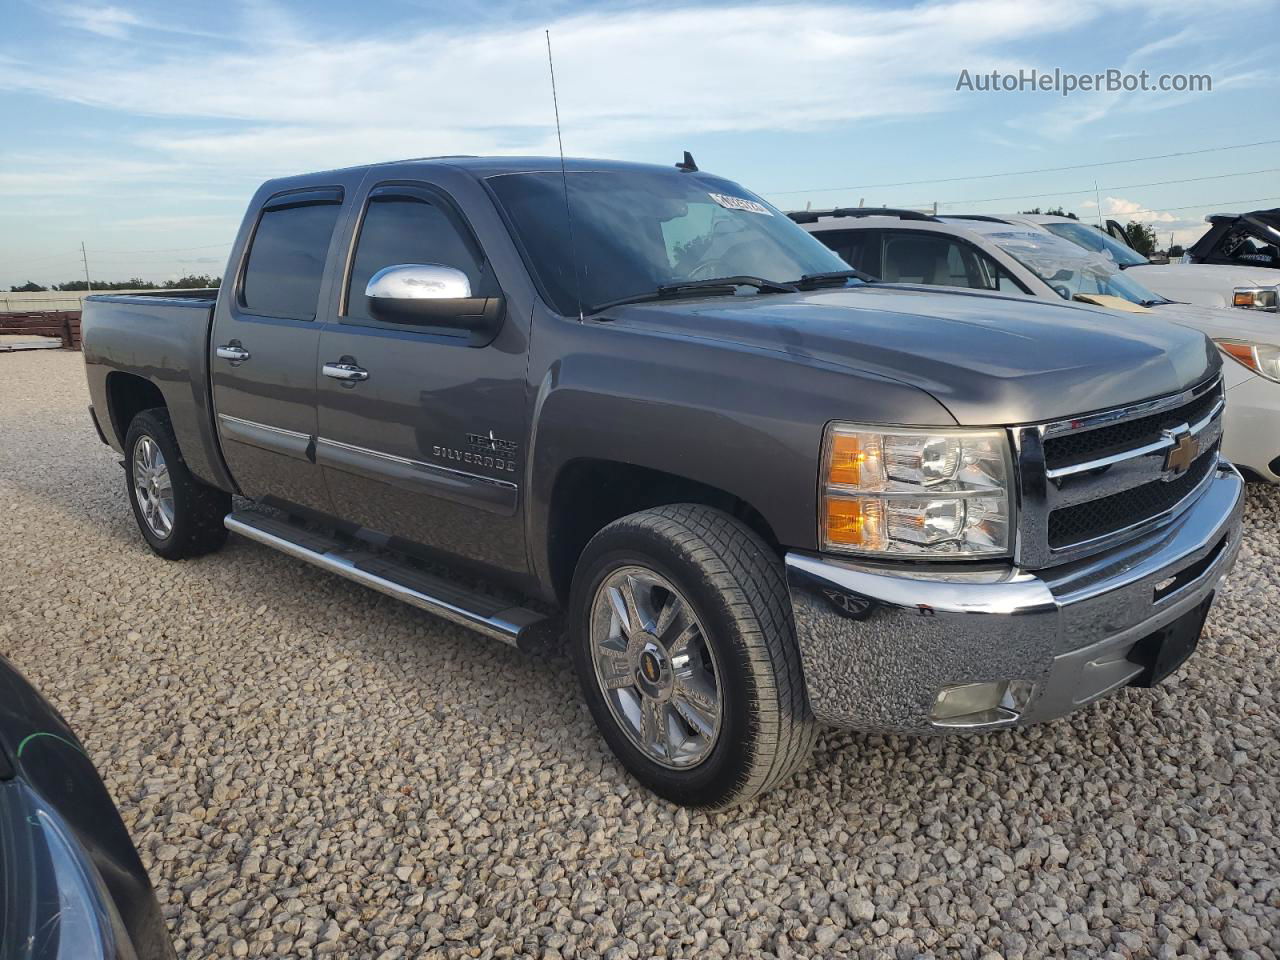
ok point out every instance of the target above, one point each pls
(418, 281)
(432, 295)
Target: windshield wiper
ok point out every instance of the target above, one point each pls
(811, 281)
(711, 286)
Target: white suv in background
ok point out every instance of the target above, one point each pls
(1002, 258)
(1216, 281)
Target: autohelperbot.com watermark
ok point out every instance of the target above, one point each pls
(1065, 83)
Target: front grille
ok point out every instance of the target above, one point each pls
(1089, 482)
(1072, 449)
(1097, 518)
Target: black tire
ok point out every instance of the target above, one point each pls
(736, 587)
(198, 509)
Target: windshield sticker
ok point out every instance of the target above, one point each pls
(737, 203)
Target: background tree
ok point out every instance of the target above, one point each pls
(1176, 251)
(1141, 237)
(29, 287)
(1052, 212)
(195, 281)
(79, 286)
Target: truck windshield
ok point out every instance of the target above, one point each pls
(637, 230)
(1070, 269)
(1093, 239)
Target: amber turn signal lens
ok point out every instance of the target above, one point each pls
(848, 456)
(849, 522)
(1243, 299)
(1240, 351)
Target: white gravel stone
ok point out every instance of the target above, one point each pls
(286, 748)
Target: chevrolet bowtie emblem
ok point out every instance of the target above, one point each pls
(1182, 454)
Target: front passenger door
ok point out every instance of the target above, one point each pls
(426, 446)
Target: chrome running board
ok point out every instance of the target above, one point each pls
(386, 573)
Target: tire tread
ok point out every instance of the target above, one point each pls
(200, 529)
(742, 568)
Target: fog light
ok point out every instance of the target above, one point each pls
(981, 704)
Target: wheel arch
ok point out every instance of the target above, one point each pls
(590, 493)
(127, 396)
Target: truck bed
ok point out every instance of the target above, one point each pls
(161, 338)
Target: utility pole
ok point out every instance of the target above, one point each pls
(88, 284)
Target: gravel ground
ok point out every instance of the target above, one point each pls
(309, 768)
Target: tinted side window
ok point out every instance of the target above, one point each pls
(927, 258)
(854, 247)
(286, 261)
(402, 229)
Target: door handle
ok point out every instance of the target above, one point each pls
(233, 352)
(347, 372)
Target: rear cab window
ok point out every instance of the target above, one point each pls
(285, 266)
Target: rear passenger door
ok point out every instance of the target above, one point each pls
(427, 446)
(263, 350)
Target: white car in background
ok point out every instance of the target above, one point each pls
(997, 257)
(1219, 279)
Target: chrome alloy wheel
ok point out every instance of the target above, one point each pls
(655, 667)
(153, 487)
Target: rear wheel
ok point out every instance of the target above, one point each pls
(684, 646)
(177, 514)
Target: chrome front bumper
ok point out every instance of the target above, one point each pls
(879, 642)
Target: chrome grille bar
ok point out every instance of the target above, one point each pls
(1156, 446)
(1066, 464)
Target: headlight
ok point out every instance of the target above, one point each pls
(915, 493)
(1262, 358)
(1256, 298)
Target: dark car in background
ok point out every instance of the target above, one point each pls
(71, 884)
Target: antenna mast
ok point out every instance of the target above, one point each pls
(88, 284)
(564, 179)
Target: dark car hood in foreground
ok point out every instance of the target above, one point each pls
(988, 359)
(62, 843)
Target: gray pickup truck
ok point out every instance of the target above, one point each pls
(765, 493)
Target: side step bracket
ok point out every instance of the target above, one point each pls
(384, 572)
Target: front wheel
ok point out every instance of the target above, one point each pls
(177, 514)
(684, 646)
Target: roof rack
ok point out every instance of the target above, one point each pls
(813, 216)
(985, 218)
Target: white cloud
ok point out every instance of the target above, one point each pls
(1211, 26)
(1120, 207)
(1184, 230)
(275, 94)
(105, 21)
(624, 77)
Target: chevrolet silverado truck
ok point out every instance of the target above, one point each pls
(764, 493)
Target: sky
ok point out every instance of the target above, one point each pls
(140, 128)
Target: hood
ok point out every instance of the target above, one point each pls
(989, 360)
(1229, 323)
(1213, 276)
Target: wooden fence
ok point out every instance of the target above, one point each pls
(63, 324)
